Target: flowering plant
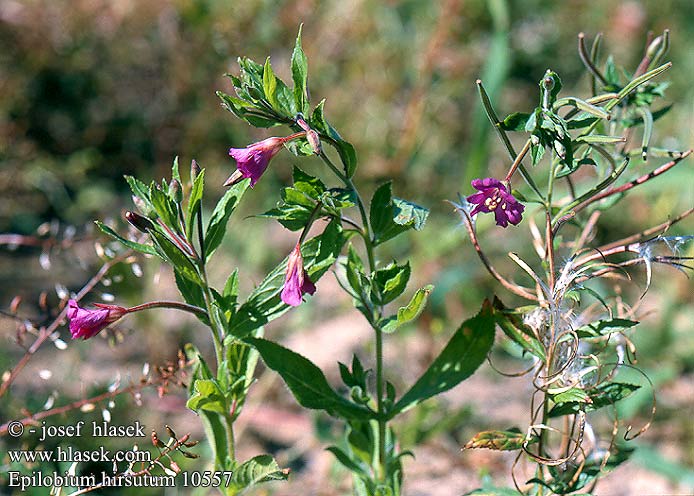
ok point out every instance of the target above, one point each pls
(579, 354)
(574, 351)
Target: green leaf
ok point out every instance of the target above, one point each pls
(600, 396)
(537, 152)
(392, 216)
(510, 440)
(344, 149)
(207, 396)
(355, 466)
(175, 173)
(147, 249)
(415, 306)
(409, 214)
(298, 202)
(164, 206)
(354, 269)
(191, 292)
(261, 468)
(611, 73)
(574, 394)
(306, 381)
(300, 75)
(212, 422)
(247, 111)
(291, 216)
(309, 185)
(241, 360)
(141, 197)
(270, 85)
(220, 216)
(390, 282)
(494, 491)
(515, 122)
(178, 260)
(604, 327)
(465, 351)
(194, 202)
(231, 288)
(407, 313)
(512, 325)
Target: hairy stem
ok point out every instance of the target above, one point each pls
(369, 246)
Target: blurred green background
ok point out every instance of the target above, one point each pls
(94, 89)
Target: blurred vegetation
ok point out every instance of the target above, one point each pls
(94, 89)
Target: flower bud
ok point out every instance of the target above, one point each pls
(311, 135)
(176, 190)
(314, 141)
(86, 323)
(139, 222)
(194, 169)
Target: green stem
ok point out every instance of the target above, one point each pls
(369, 245)
(383, 476)
(216, 327)
(494, 119)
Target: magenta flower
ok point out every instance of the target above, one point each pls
(494, 197)
(296, 281)
(254, 159)
(88, 323)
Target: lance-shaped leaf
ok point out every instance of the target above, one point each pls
(604, 327)
(512, 325)
(345, 150)
(306, 381)
(392, 216)
(194, 202)
(207, 396)
(600, 396)
(212, 421)
(300, 75)
(220, 216)
(147, 249)
(465, 351)
(261, 468)
(510, 440)
(409, 312)
(389, 282)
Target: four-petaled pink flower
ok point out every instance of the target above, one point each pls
(494, 197)
(296, 281)
(254, 159)
(88, 323)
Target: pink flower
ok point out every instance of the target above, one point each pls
(88, 323)
(494, 197)
(296, 281)
(254, 159)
